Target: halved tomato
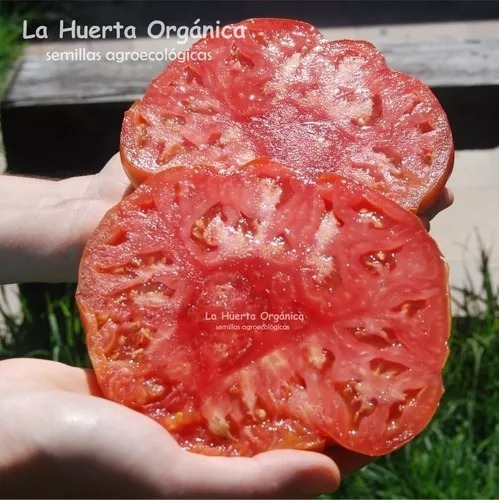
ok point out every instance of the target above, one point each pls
(250, 309)
(285, 92)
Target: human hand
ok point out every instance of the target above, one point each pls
(61, 439)
(99, 193)
(444, 200)
(46, 223)
(104, 190)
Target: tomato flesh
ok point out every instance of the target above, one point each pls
(285, 92)
(250, 309)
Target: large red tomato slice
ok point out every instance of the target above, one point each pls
(247, 309)
(285, 92)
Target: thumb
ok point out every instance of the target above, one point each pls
(279, 473)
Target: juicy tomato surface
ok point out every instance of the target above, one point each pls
(284, 92)
(248, 309)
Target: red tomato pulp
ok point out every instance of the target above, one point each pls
(248, 309)
(284, 92)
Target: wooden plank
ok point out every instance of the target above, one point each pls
(447, 64)
(37, 82)
(417, 32)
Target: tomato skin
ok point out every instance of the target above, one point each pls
(285, 92)
(353, 293)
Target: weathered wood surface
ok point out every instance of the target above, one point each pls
(440, 63)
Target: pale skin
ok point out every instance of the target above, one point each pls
(58, 436)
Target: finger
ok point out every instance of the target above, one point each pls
(279, 473)
(444, 200)
(346, 460)
(113, 175)
(49, 375)
(64, 445)
(114, 167)
(426, 222)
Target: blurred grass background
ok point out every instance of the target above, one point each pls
(455, 457)
(10, 37)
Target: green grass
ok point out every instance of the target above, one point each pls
(12, 14)
(50, 327)
(455, 457)
(10, 41)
